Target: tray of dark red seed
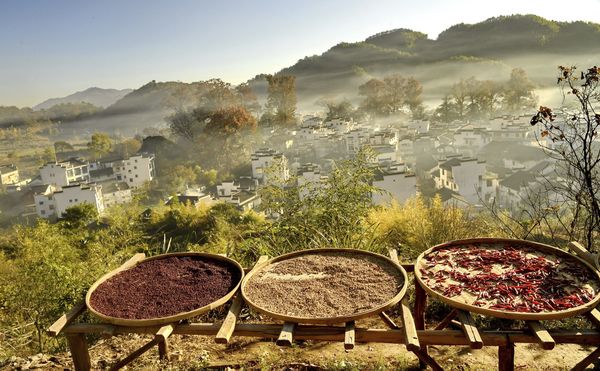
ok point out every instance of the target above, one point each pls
(164, 289)
(507, 278)
(324, 286)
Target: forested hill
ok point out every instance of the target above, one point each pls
(486, 50)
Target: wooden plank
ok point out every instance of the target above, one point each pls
(419, 315)
(135, 354)
(66, 319)
(79, 352)
(408, 325)
(506, 357)
(542, 334)
(388, 321)
(132, 261)
(230, 321)
(426, 359)
(470, 330)
(363, 335)
(582, 365)
(286, 336)
(594, 317)
(447, 320)
(349, 335)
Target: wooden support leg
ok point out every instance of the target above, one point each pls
(426, 359)
(447, 320)
(286, 336)
(162, 336)
(543, 336)
(134, 355)
(470, 330)
(79, 352)
(420, 305)
(582, 365)
(349, 335)
(506, 357)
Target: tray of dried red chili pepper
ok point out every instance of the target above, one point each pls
(508, 278)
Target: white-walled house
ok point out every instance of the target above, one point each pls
(115, 193)
(264, 158)
(309, 179)
(396, 182)
(461, 175)
(136, 170)
(65, 173)
(9, 174)
(54, 202)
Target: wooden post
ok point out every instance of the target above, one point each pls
(228, 325)
(79, 352)
(286, 336)
(349, 335)
(506, 357)
(162, 336)
(420, 305)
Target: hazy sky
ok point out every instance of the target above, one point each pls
(52, 48)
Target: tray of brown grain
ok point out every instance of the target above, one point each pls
(324, 286)
(509, 278)
(164, 289)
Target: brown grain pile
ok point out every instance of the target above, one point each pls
(164, 287)
(325, 285)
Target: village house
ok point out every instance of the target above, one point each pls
(266, 158)
(65, 173)
(135, 170)
(9, 175)
(461, 175)
(56, 200)
(396, 182)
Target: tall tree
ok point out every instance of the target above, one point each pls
(519, 92)
(281, 101)
(100, 144)
(574, 145)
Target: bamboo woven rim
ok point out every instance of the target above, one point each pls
(325, 320)
(501, 313)
(175, 317)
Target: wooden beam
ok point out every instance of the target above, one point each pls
(470, 330)
(135, 354)
(583, 253)
(132, 261)
(542, 334)
(506, 357)
(426, 359)
(349, 335)
(162, 335)
(594, 317)
(409, 328)
(582, 365)
(79, 352)
(66, 319)
(388, 321)
(231, 318)
(447, 320)
(286, 336)
(363, 335)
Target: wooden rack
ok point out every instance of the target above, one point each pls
(413, 333)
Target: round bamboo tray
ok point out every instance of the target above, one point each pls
(175, 317)
(326, 320)
(501, 313)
